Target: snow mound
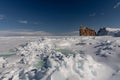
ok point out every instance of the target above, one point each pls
(78, 68)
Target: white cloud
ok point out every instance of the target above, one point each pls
(93, 14)
(23, 21)
(116, 5)
(2, 17)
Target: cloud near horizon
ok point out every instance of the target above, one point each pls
(36, 33)
(73, 33)
(24, 33)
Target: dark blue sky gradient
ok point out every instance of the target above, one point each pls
(58, 16)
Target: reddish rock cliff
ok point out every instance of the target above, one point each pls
(84, 31)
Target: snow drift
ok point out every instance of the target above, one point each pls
(64, 58)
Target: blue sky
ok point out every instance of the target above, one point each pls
(58, 16)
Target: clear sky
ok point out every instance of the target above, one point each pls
(58, 16)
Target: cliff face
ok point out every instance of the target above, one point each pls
(84, 31)
(109, 32)
(102, 31)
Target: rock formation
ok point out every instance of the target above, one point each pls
(102, 31)
(109, 32)
(84, 31)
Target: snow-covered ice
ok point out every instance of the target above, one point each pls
(63, 58)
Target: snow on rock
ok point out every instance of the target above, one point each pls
(109, 31)
(65, 58)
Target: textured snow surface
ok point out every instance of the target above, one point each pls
(64, 58)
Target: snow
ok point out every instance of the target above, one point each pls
(113, 29)
(7, 43)
(61, 58)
